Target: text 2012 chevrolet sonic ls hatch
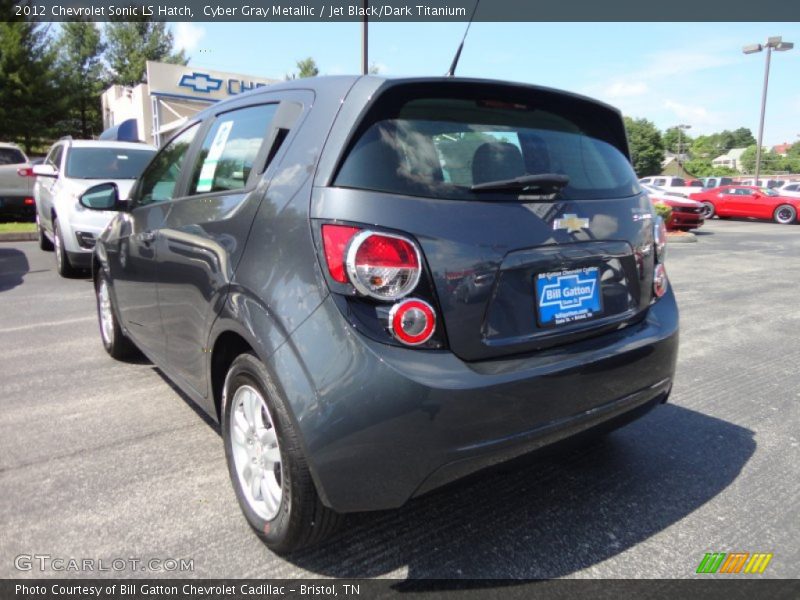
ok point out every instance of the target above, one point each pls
(379, 286)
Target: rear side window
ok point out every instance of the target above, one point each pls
(230, 149)
(11, 156)
(439, 147)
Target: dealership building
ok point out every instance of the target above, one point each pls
(172, 94)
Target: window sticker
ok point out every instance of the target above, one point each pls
(206, 180)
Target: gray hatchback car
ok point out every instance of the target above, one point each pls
(379, 286)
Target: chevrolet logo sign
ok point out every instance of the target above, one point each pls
(572, 223)
(200, 82)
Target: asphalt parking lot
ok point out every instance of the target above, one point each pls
(100, 459)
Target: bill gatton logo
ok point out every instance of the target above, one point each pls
(569, 291)
(734, 562)
(200, 82)
(571, 222)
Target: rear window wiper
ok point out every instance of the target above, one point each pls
(546, 182)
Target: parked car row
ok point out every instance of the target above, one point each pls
(377, 286)
(748, 201)
(726, 200)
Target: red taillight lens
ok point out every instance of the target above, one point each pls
(660, 281)
(335, 239)
(384, 266)
(29, 202)
(412, 321)
(25, 172)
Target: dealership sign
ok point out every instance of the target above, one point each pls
(194, 82)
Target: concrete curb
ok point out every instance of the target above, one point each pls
(683, 237)
(18, 237)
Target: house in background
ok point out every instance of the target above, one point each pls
(731, 159)
(782, 149)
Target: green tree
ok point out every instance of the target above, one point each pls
(646, 145)
(742, 138)
(748, 159)
(307, 68)
(671, 137)
(131, 44)
(80, 63)
(30, 100)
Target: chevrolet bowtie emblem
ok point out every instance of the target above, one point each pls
(571, 223)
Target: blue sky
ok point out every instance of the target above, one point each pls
(670, 73)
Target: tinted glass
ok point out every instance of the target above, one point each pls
(439, 147)
(161, 176)
(11, 156)
(107, 163)
(54, 158)
(230, 148)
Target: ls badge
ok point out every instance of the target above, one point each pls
(572, 223)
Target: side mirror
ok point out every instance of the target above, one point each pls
(104, 196)
(45, 171)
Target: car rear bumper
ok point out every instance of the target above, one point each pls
(14, 207)
(382, 424)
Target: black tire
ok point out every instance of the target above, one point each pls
(44, 242)
(708, 210)
(116, 343)
(785, 214)
(300, 519)
(63, 266)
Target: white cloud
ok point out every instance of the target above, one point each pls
(188, 36)
(625, 89)
(687, 111)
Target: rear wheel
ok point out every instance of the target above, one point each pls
(64, 267)
(266, 463)
(116, 343)
(785, 214)
(708, 210)
(44, 242)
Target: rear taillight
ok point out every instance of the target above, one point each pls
(25, 172)
(412, 321)
(660, 237)
(383, 265)
(335, 239)
(29, 202)
(660, 281)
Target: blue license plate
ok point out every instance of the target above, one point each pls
(564, 297)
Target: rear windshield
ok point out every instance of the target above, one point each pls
(439, 147)
(107, 163)
(11, 156)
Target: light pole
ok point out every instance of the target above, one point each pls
(773, 43)
(681, 128)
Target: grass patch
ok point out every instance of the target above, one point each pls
(17, 227)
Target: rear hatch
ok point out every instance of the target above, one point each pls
(518, 263)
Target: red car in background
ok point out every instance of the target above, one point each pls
(748, 201)
(686, 214)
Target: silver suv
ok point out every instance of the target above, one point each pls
(70, 168)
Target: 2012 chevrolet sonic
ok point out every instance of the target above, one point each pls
(380, 286)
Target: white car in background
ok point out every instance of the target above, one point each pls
(70, 168)
(670, 184)
(790, 188)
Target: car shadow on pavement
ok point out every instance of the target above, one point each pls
(547, 516)
(13, 267)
